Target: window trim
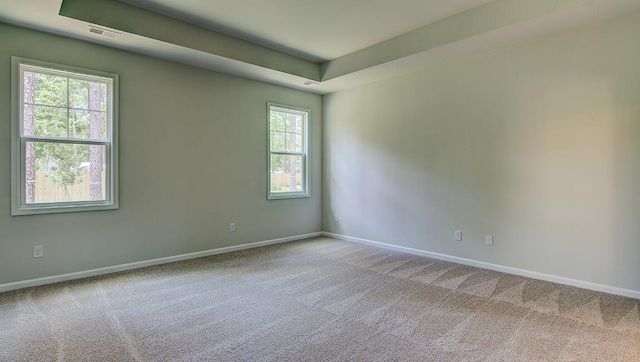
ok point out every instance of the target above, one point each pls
(305, 153)
(18, 191)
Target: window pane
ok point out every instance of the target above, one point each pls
(278, 141)
(88, 124)
(104, 103)
(44, 121)
(84, 94)
(48, 89)
(299, 144)
(78, 124)
(277, 121)
(98, 125)
(294, 121)
(78, 93)
(293, 142)
(63, 172)
(286, 173)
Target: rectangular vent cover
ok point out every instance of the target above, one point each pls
(103, 32)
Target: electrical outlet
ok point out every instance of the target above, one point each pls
(458, 235)
(232, 227)
(336, 218)
(489, 239)
(38, 251)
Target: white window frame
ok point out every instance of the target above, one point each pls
(19, 206)
(306, 114)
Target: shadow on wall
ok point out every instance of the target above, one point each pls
(544, 159)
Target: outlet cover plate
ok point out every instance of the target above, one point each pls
(489, 239)
(38, 251)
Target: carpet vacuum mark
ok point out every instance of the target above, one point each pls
(319, 299)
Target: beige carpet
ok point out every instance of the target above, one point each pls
(316, 300)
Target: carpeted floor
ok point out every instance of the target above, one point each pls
(316, 300)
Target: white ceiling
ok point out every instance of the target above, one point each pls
(311, 29)
(319, 46)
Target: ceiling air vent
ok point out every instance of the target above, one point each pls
(103, 32)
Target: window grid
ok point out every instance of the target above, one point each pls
(97, 146)
(287, 161)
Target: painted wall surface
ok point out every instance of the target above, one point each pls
(192, 160)
(537, 144)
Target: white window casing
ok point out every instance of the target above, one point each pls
(287, 160)
(64, 138)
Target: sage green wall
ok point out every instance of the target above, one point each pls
(537, 144)
(192, 160)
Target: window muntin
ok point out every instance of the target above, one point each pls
(64, 138)
(287, 161)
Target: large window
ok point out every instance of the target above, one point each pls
(64, 138)
(287, 152)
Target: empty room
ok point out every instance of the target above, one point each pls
(287, 180)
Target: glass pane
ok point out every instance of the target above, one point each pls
(63, 172)
(88, 124)
(294, 122)
(84, 94)
(294, 142)
(78, 93)
(44, 121)
(278, 141)
(98, 125)
(277, 121)
(286, 173)
(47, 90)
(299, 144)
(78, 124)
(103, 103)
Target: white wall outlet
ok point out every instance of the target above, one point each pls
(458, 235)
(232, 227)
(38, 251)
(489, 239)
(336, 218)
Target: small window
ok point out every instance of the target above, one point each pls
(287, 152)
(64, 138)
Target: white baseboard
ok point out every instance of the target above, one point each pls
(480, 264)
(496, 267)
(141, 264)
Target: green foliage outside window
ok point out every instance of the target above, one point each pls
(66, 108)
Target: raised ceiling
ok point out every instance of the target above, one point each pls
(318, 46)
(314, 30)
